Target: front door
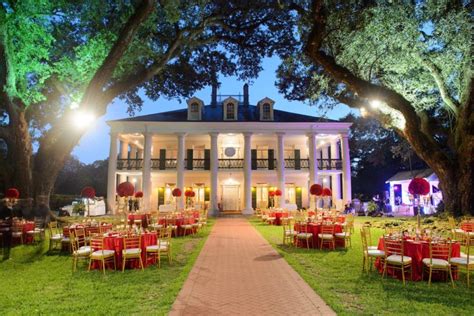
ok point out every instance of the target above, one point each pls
(230, 198)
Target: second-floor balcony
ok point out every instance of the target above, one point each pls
(204, 164)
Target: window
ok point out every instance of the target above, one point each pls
(230, 111)
(262, 196)
(266, 111)
(290, 194)
(194, 107)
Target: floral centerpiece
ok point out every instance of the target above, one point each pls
(271, 198)
(189, 194)
(88, 193)
(418, 187)
(126, 191)
(12, 195)
(176, 193)
(316, 190)
(277, 197)
(137, 201)
(327, 195)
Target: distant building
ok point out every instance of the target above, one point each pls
(399, 195)
(230, 153)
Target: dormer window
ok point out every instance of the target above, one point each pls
(230, 109)
(195, 107)
(266, 109)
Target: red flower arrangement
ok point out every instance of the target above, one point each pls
(176, 192)
(12, 193)
(316, 189)
(125, 189)
(277, 192)
(88, 192)
(327, 192)
(419, 186)
(139, 194)
(271, 193)
(189, 193)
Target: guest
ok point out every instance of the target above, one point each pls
(5, 210)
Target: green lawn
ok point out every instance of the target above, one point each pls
(36, 282)
(337, 277)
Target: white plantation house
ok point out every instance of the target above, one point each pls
(230, 153)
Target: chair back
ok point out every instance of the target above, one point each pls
(327, 229)
(73, 239)
(104, 228)
(367, 234)
(363, 235)
(452, 222)
(166, 233)
(97, 243)
(93, 230)
(39, 222)
(393, 246)
(53, 228)
(440, 250)
(80, 236)
(287, 225)
(130, 242)
(301, 227)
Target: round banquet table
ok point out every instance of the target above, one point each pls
(278, 216)
(315, 229)
(114, 242)
(417, 250)
(180, 221)
(143, 217)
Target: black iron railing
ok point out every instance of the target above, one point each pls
(231, 163)
(330, 164)
(129, 164)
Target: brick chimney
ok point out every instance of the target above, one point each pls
(246, 95)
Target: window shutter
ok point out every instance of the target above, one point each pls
(189, 159)
(297, 159)
(207, 159)
(161, 196)
(254, 197)
(206, 194)
(271, 159)
(254, 159)
(162, 159)
(298, 198)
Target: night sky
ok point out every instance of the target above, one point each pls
(94, 145)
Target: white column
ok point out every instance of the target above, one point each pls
(313, 166)
(248, 173)
(281, 168)
(180, 169)
(336, 181)
(123, 155)
(146, 173)
(346, 169)
(214, 172)
(111, 179)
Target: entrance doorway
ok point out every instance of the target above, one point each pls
(230, 197)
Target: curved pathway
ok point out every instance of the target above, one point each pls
(238, 272)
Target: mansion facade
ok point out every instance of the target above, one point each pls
(231, 154)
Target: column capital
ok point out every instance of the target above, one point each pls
(345, 135)
(280, 134)
(214, 134)
(181, 134)
(247, 134)
(311, 134)
(147, 134)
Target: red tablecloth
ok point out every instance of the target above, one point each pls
(417, 251)
(143, 217)
(178, 222)
(315, 229)
(278, 216)
(116, 243)
(28, 239)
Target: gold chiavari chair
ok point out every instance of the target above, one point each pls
(395, 257)
(131, 250)
(78, 253)
(465, 261)
(369, 254)
(55, 235)
(440, 255)
(100, 254)
(289, 233)
(326, 236)
(346, 235)
(303, 234)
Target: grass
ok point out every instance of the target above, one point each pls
(34, 281)
(338, 278)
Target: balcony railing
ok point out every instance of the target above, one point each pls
(129, 164)
(330, 164)
(200, 164)
(231, 163)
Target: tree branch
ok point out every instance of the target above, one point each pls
(424, 144)
(451, 103)
(104, 73)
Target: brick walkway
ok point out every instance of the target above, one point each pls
(238, 272)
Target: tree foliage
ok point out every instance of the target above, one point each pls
(408, 64)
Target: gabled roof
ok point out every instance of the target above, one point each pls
(408, 175)
(215, 114)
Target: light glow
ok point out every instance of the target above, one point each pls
(83, 119)
(375, 104)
